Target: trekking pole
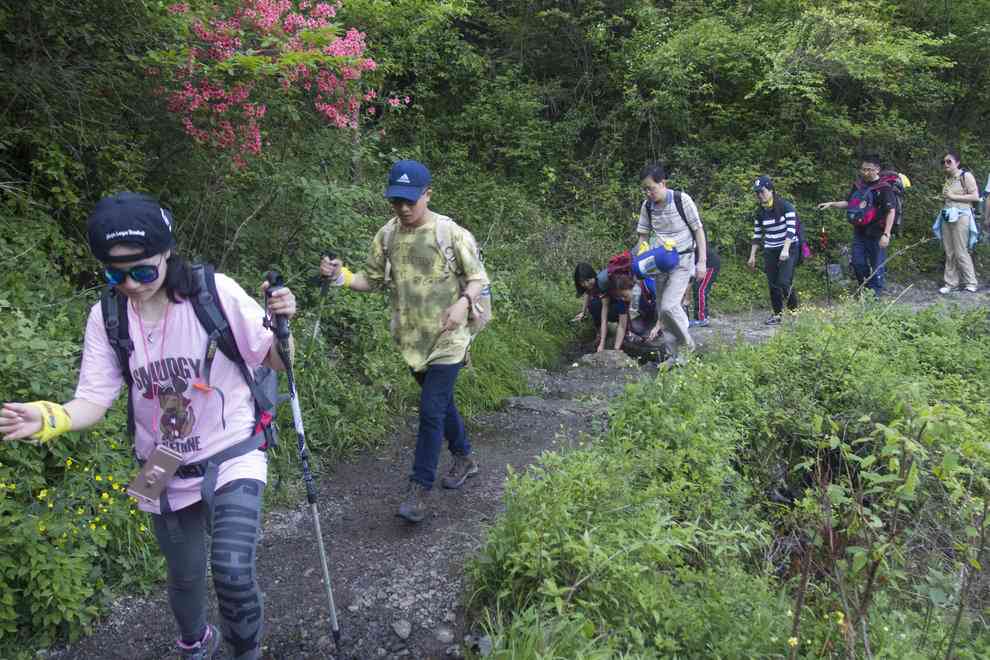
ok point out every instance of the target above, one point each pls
(823, 243)
(324, 287)
(281, 331)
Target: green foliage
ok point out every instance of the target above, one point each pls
(884, 452)
(535, 118)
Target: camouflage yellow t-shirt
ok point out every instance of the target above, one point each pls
(421, 287)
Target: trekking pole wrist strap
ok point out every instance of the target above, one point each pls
(55, 420)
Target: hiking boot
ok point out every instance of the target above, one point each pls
(946, 289)
(413, 508)
(204, 648)
(971, 288)
(698, 323)
(773, 319)
(462, 468)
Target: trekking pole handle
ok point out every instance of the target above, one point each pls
(275, 282)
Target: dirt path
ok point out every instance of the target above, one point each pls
(400, 588)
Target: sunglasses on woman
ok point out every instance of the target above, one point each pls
(142, 274)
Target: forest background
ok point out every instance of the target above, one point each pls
(269, 137)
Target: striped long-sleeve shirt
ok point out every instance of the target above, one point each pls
(773, 226)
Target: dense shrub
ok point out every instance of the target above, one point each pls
(664, 539)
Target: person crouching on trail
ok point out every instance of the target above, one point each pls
(672, 214)
(635, 304)
(429, 315)
(591, 286)
(131, 234)
(775, 228)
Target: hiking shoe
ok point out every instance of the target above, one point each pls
(413, 508)
(946, 289)
(204, 648)
(970, 288)
(462, 468)
(773, 319)
(698, 323)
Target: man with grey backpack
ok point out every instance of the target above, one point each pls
(440, 297)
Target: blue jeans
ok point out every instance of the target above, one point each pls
(868, 257)
(438, 419)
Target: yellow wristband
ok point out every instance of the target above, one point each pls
(344, 278)
(55, 420)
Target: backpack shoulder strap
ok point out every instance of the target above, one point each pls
(679, 203)
(206, 304)
(114, 307)
(388, 235)
(444, 236)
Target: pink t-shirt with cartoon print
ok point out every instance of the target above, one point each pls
(167, 361)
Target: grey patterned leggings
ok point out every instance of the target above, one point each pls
(236, 525)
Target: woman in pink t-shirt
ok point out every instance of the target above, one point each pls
(179, 404)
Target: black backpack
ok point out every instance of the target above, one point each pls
(263, 383)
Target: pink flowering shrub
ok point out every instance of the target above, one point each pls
(240, 57)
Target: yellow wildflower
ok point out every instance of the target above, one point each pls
(110, 478)
(69, 462)
(792, 641)
(98, 477)
(105, 496)
(92, 525)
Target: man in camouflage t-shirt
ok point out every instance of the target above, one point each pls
(429, 318)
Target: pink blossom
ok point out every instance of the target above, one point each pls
(226, 114)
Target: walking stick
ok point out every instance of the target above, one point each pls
(324, 287)
(281, 331)
(823, 244)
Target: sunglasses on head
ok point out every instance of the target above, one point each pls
(142, 274)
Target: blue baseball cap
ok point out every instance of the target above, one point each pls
(408, 179)
(762, 182)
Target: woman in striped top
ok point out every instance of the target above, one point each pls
(775, 227)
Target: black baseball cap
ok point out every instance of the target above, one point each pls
(762, 182)
(131, 218)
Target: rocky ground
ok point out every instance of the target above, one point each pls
(400, 588)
